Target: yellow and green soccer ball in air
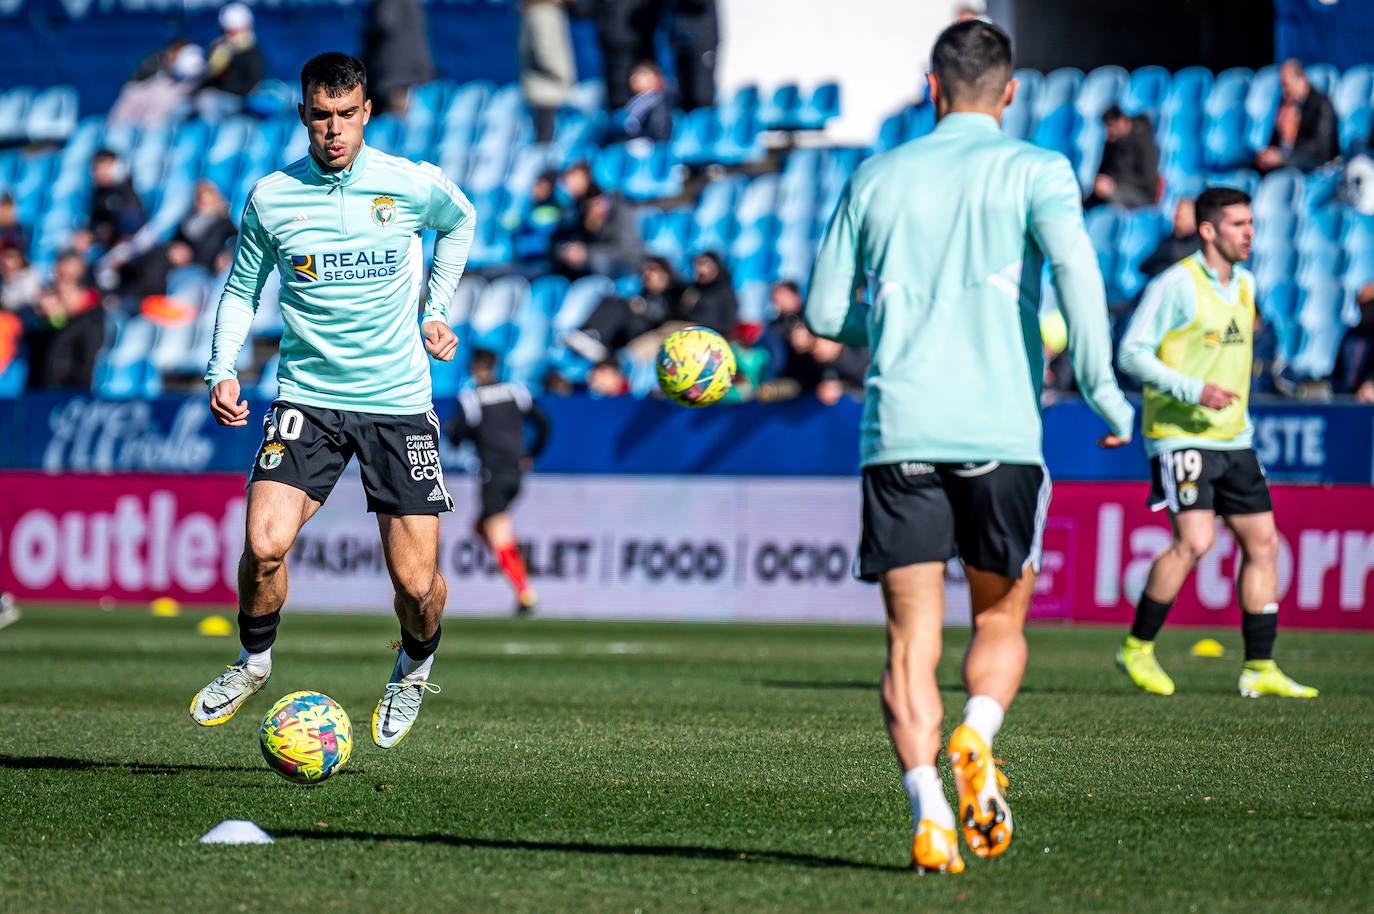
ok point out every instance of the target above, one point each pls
(306, 737)
(696, 366)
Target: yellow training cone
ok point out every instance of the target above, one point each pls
(215, 626)
(165, 607)
(1208, 647)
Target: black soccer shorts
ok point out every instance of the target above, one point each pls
(991, 515)
(1229, 482)
(307, 448)
(497, 490)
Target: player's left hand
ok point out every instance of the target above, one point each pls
(1110, 441)
(440, 340)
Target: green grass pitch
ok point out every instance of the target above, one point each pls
(655, 768)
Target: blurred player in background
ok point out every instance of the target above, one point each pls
(950, 233)
(341, 227)
(1190, 343)
(493, 415)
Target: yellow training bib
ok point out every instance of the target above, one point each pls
(1218, 346)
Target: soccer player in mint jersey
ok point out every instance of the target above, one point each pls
(949, 234)
(1190, 343)
(341, 227)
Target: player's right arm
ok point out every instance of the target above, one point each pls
(832, 310)
(254, 261)
(1056, 223)
(1169, 304)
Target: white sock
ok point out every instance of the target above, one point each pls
(927, 796)
(410, 665)
(984, 715)
(258, 664)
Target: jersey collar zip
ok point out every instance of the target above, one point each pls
(338, 180)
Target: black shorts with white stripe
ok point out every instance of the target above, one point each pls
(1229, 482)
(307, 448)
(991, 515)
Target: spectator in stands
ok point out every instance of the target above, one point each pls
(116, 212)
(575, 186)
(532, 230)
(626, 29)
(1129, 174)
(648, 114)
(812, 365)
(631, 322)
(1182, 242)
(605, 241)
(1305, 130)
(710, 300)
(160, 86)
(20, 282)
(786, 300)
(1354, 372)
(547, 67)
(694, 36)
(67, 331)
(606, 379)
(233, 67)
(396, 53)
(12, 232)
(203, 233)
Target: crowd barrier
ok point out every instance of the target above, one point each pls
(76, 433)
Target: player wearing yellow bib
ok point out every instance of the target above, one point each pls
(1190, 343)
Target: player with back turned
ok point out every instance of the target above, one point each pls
(342, 227)
(950, 233)
(1191, 342)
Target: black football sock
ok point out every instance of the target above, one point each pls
(1259, 631)
(1149, 618)
(257, 633)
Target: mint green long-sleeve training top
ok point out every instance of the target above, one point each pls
(348, 250)
(933, 259)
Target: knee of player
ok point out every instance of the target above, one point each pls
(1193, 546)
(421, 588)
(1262, 548)
(265, 554)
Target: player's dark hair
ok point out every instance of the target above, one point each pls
(334, 72)
(972, 60)
(482, 360)
(1213, 200)
(1112, 113)
(789, 285)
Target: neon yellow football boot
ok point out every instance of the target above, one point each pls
(983, 810)
(935, 849)
(1263, 677)
(1136, 659)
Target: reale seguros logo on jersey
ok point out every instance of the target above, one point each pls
(345, 265)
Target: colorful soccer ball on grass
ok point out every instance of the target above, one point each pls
(306, 737)
(696, 366)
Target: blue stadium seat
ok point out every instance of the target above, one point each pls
(1272, 270)
(783, 110)
(822, 107)
(465, 298)
(753, 300)
(1088, 143)
(51, 115)
(1102, 223)
(1318, 267)
(588, 96)
(384, 132)
(574, 132)
(1354, 129)
(529, 163)
(745, 102)
(1224, 143)
(267, 320)
(546, 294)
(1246, 179)
(487, 167)
(652, 173)
(267, 386)
(528, 352)
(739, 140)
(491, 324)
(1356, 89)
(1261, 106)
(1319, 316)
(715, 233)
(1139, 233)
(912, 122)
(1228, 92)
(1060, 89)
(1281, 301)
(446, 377)
(13, 378)
(1056, 129)
(1019, 118)
(1145, 92)
(668, 236)
(1183, 103)
(175, 345)
(583, 296)
(695, 136)
(137, 380)
(1101, 89)
(14, 107)
(1280, 191)
(1324, 77)
(491, 245)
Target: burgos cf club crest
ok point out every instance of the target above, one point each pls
(383, 210)
(271, 456)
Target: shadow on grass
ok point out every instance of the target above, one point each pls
(59, 763)
(722, 854)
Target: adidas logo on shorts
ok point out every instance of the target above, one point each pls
(436, 494)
